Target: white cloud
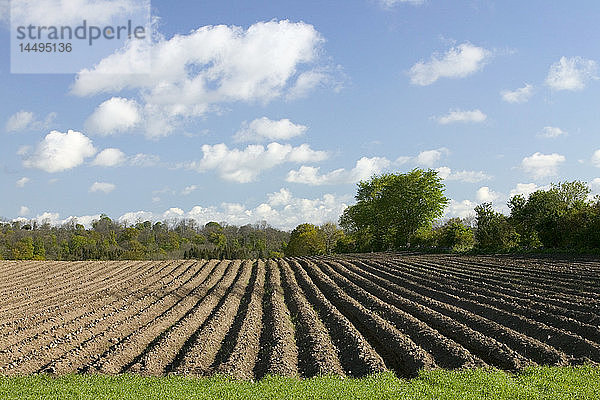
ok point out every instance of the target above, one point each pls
(103, 187)
(486, 195)
(189, 190)
(281, 210)
(138, 216)
(551, 132)
(109, 158)
(22, 182)
(245, 165)
(114, 116)
(19, 121)
(60, 151)
(193, 74)
(540, 165)
(54, 219)
(263, 129)
(525, 189)
(281, 198)
(364, 168)
(520, 95)
(460, 209)
(571, 73)
(429, 158)
(23, 211)
(60, 12)
(446, 173)
(48, 217)
(26, 121)
(308, 81)
(458, 62)
(595, 185)
(461, 116)
(173, 213)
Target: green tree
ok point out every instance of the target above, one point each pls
(494, 232)
(390, 208)
(305, 240)
(331, 234)
(39, 250)
(551, 218)
(455, 235)
(23, 249)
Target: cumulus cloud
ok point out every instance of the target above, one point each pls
(26, 121)
(103, 187)
(55, 220)
(595, 185)
(281, 209)
(22, 182)
(540, 165)
(364, 168)
(244, 165)
(460, 209)
(309, 80)
(173, 213)
(193, 74)
(550, 132)
(114, 116)
(429, 158)
(23, 211)
(60, 151)
(263, 129)
(461, 116)
(446, 173)
(486, 195)
(571, 73)
(458, 62)
(525, 189)
(520, 95)
(109, 158)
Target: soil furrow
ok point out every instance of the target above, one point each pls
(316, 353)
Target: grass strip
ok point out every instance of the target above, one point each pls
(582, 382)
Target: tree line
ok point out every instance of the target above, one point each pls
(392, 212)
(402, 211)
(112, 240)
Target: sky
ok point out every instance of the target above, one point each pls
(243, 111)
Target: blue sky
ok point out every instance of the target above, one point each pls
(273, 111)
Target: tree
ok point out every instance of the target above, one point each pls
(455, 235)
(494, 231)
(331, 234)
(390, 208)
(551, 218)
(305, 240)
(23, 249)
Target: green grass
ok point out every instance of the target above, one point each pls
(533, 383)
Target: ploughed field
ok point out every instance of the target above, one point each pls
(354, 315)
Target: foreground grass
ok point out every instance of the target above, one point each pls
(533, 383)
